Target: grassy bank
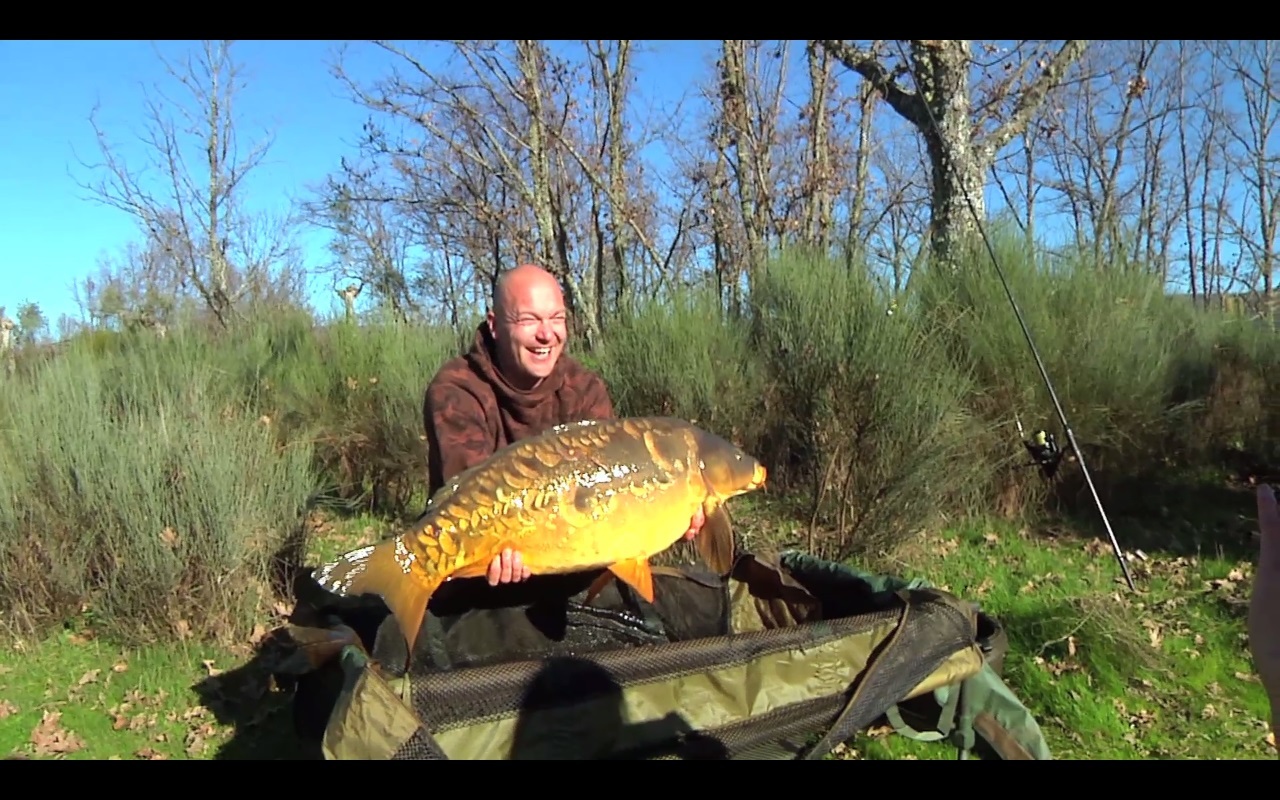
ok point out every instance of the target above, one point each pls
(156, 490)
(1108, 675)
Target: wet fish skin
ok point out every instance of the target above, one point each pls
(585, 495)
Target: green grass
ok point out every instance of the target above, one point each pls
(1164, 673)
(73, 696)
(151, 490)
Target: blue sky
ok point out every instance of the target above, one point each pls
(53, 236)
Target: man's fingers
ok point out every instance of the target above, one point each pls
(695, 524)
(506, 566)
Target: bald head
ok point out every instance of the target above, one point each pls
(528, 324)
(517, 286)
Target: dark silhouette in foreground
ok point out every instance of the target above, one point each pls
(256, 701)
(573, 710)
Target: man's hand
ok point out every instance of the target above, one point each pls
(509, 566)
(695, 525)
(1264, 605)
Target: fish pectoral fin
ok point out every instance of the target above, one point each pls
(715, 540)
(474, 570)
(479, 569)
(375, 570)
(597, 586)
(635, 573)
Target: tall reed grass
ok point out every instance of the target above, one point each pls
(157, 482)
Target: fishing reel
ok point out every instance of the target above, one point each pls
(1044, 451)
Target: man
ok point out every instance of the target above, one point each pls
(1264, 605)
(513, 383)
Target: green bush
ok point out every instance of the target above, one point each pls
(682, 357)
(1131, 366)
(866, 417)
(155, 480)
(137, 488)
(356, 393)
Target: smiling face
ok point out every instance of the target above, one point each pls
(528, 325)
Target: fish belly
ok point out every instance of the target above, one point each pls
(569, 502)
(648, 529)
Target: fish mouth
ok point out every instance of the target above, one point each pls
(758, 476)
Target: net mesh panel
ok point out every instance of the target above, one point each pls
(931, 632)
(471, 624)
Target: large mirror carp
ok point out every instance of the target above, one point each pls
(581, 496)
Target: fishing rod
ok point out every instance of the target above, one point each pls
(1044, 373)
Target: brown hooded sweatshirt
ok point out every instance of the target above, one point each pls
(470, 409)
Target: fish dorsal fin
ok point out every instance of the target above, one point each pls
(715, 540)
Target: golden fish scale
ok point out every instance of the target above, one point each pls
(547, 496)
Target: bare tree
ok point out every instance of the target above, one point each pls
(370, 243)
(750, 111)
(1202, 156)
(196, 208)
(624, 212)
(349, 295)
(495, 122)
(943, 109)
(1099, 126)
(6, 343)
(1255, 67)
(857, 233)
(140, 286)
(702, 178)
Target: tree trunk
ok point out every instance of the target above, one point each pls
(940, 109)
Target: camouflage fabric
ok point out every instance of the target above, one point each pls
(783, 660)
(470, 410)
(980, 714)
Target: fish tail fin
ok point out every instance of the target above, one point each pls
(315, 647)
(715, 540)
(376, 570)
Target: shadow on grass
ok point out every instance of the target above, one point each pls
(250, 699)
(1180, 517)
(1092, 632)
(257, 698)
